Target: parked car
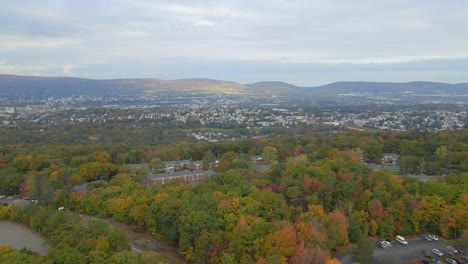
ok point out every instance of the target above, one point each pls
(384, 244)
(381, 244)
(451, 250)
(436, 261)
(465, 258)
(426, 237)
(451, 261)
(433, 237)
(402, 240)
(458, 249)
(437, 252)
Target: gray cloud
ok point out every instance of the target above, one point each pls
(243, 41)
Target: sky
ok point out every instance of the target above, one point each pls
(303, 42)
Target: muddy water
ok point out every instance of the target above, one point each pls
(18, 236)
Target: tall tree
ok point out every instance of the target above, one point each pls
(364, 252)
(270, 155)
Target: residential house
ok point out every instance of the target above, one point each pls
(390, 158)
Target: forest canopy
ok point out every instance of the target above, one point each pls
(316, 196)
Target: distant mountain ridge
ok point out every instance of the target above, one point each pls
(419, 87)
(14, 85)
(63, 86)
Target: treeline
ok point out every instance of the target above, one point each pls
(72, 240)
(52, 130)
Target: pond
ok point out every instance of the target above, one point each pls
(18, 236)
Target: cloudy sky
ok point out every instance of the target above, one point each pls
(304, 42)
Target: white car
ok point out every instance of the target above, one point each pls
(387, 243)
(402, 240)
(433, 237)
(437, 252)
(384, 244)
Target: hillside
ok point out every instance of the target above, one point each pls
(13, 85)
(201, 85)
(274, 88)
(392, 88)
(37, 86)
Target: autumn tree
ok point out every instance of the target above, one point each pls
(208, 158)
(336, 225)
(282, 242)
(304, 255)
(373, 151)
(270, 154)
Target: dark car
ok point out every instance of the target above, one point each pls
(451, 250)
(458, 249)
(426, 237)
(380, 244)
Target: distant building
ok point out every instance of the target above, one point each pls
(7, 111)
(258, 160)
(84, 188)
(192, 171)
(177, 165)
(390, 158)
(188, 176)
(80, 190)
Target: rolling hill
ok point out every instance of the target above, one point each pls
(274, 88)
(14, 85)
(394, 88)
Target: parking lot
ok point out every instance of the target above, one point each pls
(399, 253)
